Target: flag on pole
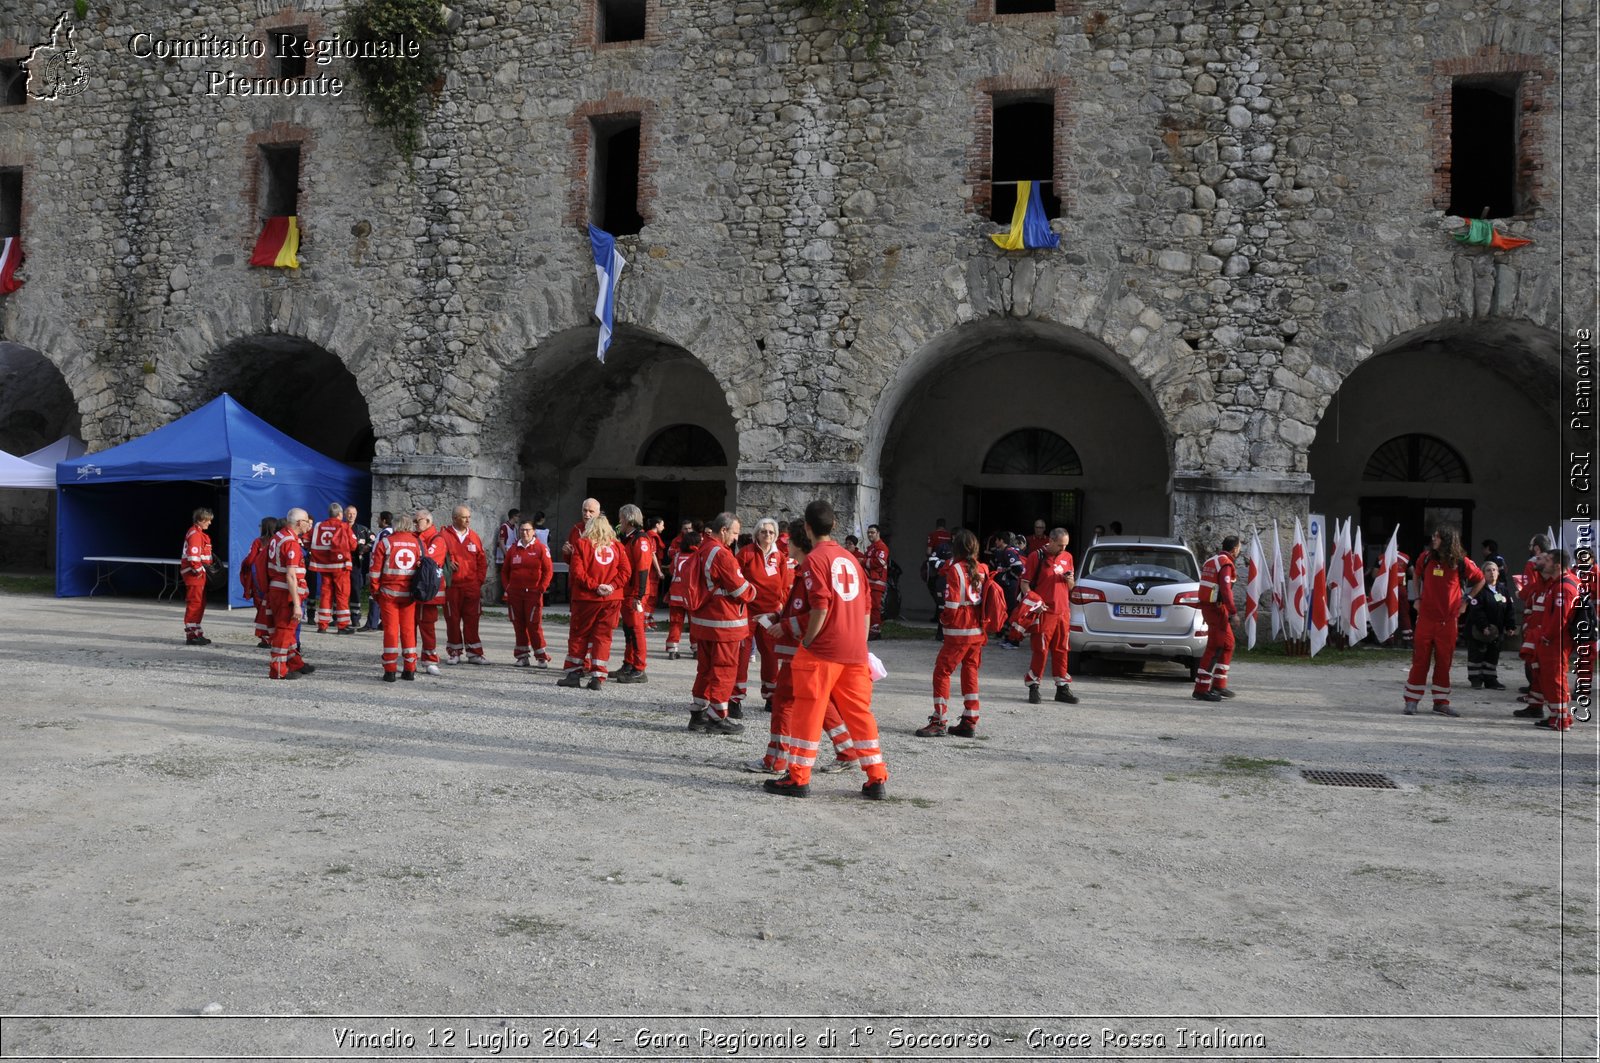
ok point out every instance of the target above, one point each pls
(1481, 231)
(1335, 579)
(1029, 226)
(1279, 582)
(1385, 595)
(10, 259)
(1295, 618)
(1252, 590)
(608, 263)
(279, 244)
(1317, 577)
(1551, 538)
(1355, 581)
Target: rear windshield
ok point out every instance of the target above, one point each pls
(1161, 564)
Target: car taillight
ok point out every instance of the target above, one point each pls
(1187, 598)
(1085, 595)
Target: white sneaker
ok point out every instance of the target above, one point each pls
(452, 659)
(431, 669)
(544, 662)
(524, 662)
(477, 659)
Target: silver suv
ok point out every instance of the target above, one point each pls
(1138, 598)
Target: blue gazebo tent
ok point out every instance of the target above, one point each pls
(135, 500)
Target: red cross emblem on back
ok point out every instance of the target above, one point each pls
(842, 576)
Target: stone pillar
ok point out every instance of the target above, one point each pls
(1208, 506)
(774, 489)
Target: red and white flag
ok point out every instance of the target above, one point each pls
(1276, 581)
(1335, 579)
(1294, 620)
(1317, 578)
(1355, 588)
(1385, 597)
(1252, 589)
(10, 259)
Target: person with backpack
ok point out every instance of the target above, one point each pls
(1217, 608)
(525, 574)
(1555, 604)
(1049, 573)
(253, 579)
(599, 573)
(391, 579)
(1443, 571)
(1491, 616)
(437, 551)
(966, 585)
(716, 596)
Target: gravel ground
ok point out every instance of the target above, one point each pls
(178, 832)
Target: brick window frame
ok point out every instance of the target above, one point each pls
(1536, 82)
(15, 51)
(279, 133)
(287, 18)
(983, 11)
(980, 156)
(589, 19)
(581, 125)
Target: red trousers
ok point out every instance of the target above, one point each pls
(877, 594)
(428, 631)
(967, 655)
(778, 754)
(333, 599)
(634, 648)
(1049, 639)
(1554, 660)
(1434, 637)
(715, 670)
(463, 604)
(194, 604)
(399, 618)
(767, 647)
(677, 619)
(526, 609)
(849, 686)
(589, 638)
(285, 623)
(1213, 671)
(263, 619)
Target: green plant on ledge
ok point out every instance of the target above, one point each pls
(397, 90)
(863, 21)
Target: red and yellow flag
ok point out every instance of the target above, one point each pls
(279, 244)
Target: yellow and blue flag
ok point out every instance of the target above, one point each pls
(1029, 226)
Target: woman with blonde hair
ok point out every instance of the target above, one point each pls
(597, 575)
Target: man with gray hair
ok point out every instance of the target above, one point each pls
(436, 550)
(286, 590)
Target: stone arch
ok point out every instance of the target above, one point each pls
(37, 407)
(971, 386)
(1485, 389)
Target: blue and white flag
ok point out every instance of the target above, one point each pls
(608, 263)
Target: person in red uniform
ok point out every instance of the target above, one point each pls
(658, 570)
(961, 619)
(333, 546)
(525, 575)
(683, 549)
(286, 591)
(831, 663)
(1048, 571)
(1559, 594)
(505, 537)
(598, 576)
(590, 510)
(394, 563)
(1443, 569)
(641, 550)
(767, 569)
(194, 567)
(876, 562)
(1527, 588)
(940, 536)
(463, 599)
(1217, 608)
(720, 626)
(1584, 650)
(1038, 540)
(437, 551)
(253, 579)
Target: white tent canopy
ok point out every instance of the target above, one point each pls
(19, 472)
(64, 449)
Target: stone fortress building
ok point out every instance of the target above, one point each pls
(1257, 309)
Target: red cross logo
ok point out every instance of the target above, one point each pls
(604, 556)
(843, 577)
(405, 558)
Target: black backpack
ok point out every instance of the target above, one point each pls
(425, 579)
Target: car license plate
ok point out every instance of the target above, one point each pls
(1136, 610)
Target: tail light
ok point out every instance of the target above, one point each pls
(1187, 598)
(1085, 595)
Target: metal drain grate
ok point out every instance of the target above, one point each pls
(1368, 779)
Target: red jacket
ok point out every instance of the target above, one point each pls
(722, 617)
(1050, 578)
(438, 551)
(876, 561)
(641, 548)
(1216, 584)
(527, 568)
(961, 615)
(394, 561)
(770, 575)
(589, 567)
(286, 562)
(196, 552)
(472, 564)
(333, 544)
(252, 572)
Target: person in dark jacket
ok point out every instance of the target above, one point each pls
(1491, 616)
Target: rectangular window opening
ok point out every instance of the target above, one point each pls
(13, 83)
(1483, 147)
(619, 20)
(280, 180)
(1022, 7)
(614, 178)
(10, 202)
(289, 49)
(1023, 146)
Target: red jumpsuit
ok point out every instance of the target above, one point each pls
(786, 634)
(772, 577)
(394, 562)
(524, 577)
(435, 547)
(253, 582)
(1556, 600)
(720, 627)
(193, 568)
(333, 545)
(463, 596)
(677, 610)
(1050, 578)
(641, 549)
(876, 561)
(1216, 606)
(961, 619)
(286, 569)
(1438, 608)
(594, 614)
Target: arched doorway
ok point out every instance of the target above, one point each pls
(1006, 422)
(1456, 425)
(36, 409)
(650, 426)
